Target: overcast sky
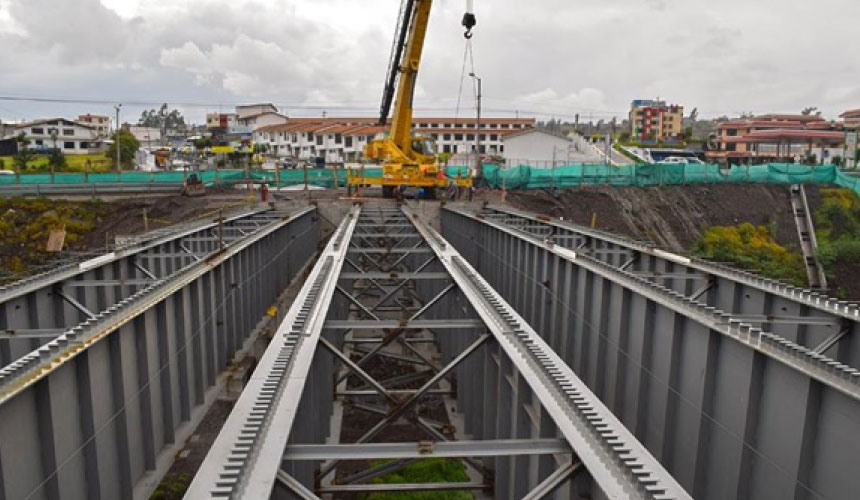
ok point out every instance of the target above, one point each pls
(543, 56)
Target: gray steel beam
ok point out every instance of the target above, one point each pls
(393, 324)
(246, 456)
(371, 488)
(428, 449)
(734, 291)
(102, 410)
(619, 464)
(393, 276)
(730, 410)
(553, 482)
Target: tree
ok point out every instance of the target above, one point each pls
(24, 154)
(162, 118)
(128, 146)
(694, 115)
(56, 158)
(810, 111)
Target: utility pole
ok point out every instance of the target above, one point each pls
(479, 167)
(54, 133)
(116, 140)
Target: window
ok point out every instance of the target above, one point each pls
(447, 125)
(369, 138)
(501, 149)
(39, 131)
(494, 137)
(470, 125)
(505, 125)
(483, 137)
(458, 137)
(319, 140)
(295, 137)
(68, 145)
(39, 142)
(731, 147)
(732, 132)
(85, 145)
(347, 141)
(470, 137)
(310, 136)
(446, 148)
(68, 131)
(338, 138)
(494, 125)
(446, 137)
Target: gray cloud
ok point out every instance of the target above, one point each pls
(552, 56)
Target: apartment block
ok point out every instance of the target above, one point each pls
(652, 120)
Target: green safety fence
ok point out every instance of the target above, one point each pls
(643, 175)
(520, 177)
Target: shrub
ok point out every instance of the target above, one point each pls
(753, 248)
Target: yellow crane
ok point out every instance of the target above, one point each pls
(407, 159)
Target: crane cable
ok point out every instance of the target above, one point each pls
(468, 56)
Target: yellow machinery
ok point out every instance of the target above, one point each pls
(407, 159)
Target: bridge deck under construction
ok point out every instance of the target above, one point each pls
(547, 359)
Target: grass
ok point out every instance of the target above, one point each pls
(74, 163)
(753, 248)
(433, 470)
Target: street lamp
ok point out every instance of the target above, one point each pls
(479, 168)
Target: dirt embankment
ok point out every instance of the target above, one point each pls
(673, 217)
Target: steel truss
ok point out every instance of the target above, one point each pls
(730, 409)
(803, 316)
(545, 431)
(137, 354)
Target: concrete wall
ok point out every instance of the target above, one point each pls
(536, 146)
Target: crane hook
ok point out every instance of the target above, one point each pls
(469, 22)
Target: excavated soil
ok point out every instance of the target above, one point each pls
(673, 217)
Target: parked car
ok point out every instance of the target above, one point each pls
(685, 160)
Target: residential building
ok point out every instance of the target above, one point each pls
(851, 119)
(100, 122)
(248, 110)
(261, 120)
(68, 136)
(149, 137)
(652, 120)
(215, 121)
(342, 140)
(537, 147)
(776, 137)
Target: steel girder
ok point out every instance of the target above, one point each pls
(731, 410)
(533, 397)
(58, 299)
(101, 410)
(731, 290)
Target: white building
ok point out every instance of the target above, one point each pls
(248, 110)
(149, 137)
(68, 136)
(100, 122)
(342, 140)
(261, 120)
(537, 147)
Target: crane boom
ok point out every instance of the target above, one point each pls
(406, 160)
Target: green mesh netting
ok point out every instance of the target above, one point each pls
(520, 177)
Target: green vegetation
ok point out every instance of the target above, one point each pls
(434, 470)
(838, 228)
(128, 146)
(753, 248)
(25, 224)
(73, 163)
(173, 486)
